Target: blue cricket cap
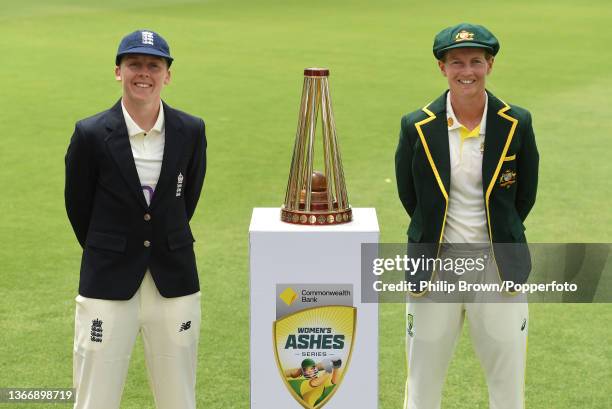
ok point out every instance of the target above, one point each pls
(144, 42)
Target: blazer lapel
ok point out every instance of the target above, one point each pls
(433, 132)
(499, 134)
(120, 149)
(173, 147)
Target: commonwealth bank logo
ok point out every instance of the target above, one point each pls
(313, 349)
(288, 296)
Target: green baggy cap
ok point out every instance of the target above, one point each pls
(464, 35)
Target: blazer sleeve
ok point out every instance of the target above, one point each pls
(196, 171)
(528, 160)
(80, 184)
(403, 168)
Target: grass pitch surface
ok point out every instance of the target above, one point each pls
(239, 65)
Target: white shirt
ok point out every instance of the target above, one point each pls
(466, 219)
(147, 149)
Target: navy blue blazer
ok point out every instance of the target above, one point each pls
(120, 234)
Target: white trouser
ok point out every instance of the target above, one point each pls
(105, 332)
(499, 334)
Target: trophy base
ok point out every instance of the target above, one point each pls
(316, 218)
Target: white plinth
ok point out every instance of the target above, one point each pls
(286, 253)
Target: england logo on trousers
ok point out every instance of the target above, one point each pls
(96, 330)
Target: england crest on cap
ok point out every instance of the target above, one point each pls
(147, 37)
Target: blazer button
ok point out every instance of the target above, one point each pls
(147, 217)
(147, 243)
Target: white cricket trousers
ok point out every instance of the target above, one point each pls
(499, 335)
(105, 332)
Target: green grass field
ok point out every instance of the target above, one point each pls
(238, 64)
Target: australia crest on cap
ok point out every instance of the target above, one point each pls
(464, 35)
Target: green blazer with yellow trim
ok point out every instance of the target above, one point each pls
(509, 174)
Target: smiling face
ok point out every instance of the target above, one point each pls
(466, 70)
(142, 77)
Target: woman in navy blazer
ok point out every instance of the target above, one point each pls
(134, 174)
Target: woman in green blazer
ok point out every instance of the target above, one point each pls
(467, 172)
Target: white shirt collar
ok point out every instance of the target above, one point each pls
(134, 129)
(452, 119)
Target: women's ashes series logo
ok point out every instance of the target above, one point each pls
(313, 348)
